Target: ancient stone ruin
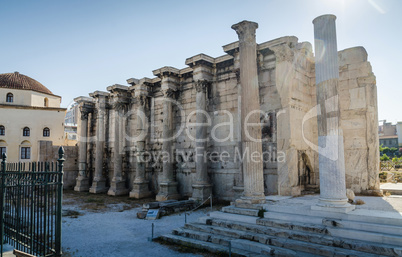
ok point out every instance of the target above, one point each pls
(182, 133)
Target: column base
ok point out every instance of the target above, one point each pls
(249, 202)
(168, 191)
(118, 188)
(238, 191)
(333, 205)
(82, 184)
(98, 187)
(140, 190)
(201, 192)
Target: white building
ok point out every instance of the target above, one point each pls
(29, 113)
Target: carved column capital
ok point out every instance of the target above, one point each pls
(237, 72)
(141, 100)
(202, 85)
(84, 113)
(168, 93)
(246, 31)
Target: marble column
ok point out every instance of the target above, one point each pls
(330, 136)
(167, 185)
(118, 183)
(251, 132)
(82, 181)
(140, 184)
(202, 189)
(99, 182)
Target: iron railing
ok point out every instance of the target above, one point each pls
(31, 206)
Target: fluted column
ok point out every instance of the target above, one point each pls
(140, 184)
(251, 130)
(99, 181)
(330, 136)
(167, 185)
(118, 182)
(82, 182)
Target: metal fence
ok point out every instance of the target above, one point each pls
(31, 206)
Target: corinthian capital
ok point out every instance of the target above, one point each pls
(246, 31)
(202, 85)
(142, 100)
(168, 93)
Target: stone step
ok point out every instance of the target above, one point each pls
(351, 229)
(206, 235)
(306, 215)
(211, 247)
(337, 240)
(242, 211)
(327, 224)
(280, 246)
(233, 217)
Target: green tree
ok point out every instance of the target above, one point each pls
(384, 157)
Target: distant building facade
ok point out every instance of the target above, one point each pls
(29, 113)
(388, 135)
(399, 132)
(72, 114)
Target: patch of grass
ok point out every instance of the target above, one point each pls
(387, 193)
(359, 202)
(95, 200)
(261, 213)
(71, 213)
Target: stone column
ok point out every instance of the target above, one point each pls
(330, 136)
(167, 183)
(203, 73)
(251, 141)
(140, 184)
(99, 182)
(82, 182)
(202, 189)
(118, 182)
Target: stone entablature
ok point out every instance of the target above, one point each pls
(286, 94)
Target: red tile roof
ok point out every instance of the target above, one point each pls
(18, 81)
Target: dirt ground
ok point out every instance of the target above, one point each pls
(101, 225)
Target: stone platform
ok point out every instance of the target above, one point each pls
(290, 228)
(392, 188)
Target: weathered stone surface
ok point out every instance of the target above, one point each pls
(350, 195)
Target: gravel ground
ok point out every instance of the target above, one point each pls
(110, 227)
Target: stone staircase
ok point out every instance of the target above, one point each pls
(291, 231)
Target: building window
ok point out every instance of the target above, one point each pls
(2, 130)
(10, 98)
(26, 132)
(25, 153)
(46, 132)
(2, 150)
(46, 102)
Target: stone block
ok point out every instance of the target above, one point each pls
(352, 55)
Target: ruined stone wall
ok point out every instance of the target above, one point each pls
(287, 100)
(359, 119)
(50, 153)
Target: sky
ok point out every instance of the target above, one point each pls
(76, 47)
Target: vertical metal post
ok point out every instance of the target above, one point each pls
(185, 217)
(210, 201)
(3, 191)
(59, 202)
(152, 235)
(230, 248)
